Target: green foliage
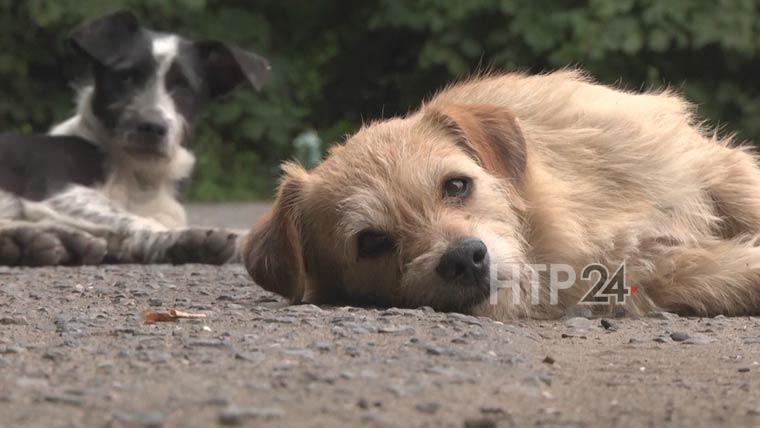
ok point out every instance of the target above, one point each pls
(337, 64)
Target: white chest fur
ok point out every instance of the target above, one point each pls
(145, 196)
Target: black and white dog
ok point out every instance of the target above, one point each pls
(102, 185)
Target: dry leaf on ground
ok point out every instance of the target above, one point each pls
(152, 317)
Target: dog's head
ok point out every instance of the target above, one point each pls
(409, 212)
(149, 86)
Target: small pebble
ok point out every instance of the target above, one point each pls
(237, 415)
(323, 346)
(608, 325)
(487, 410)
(429, 408)
(152, 419)
(70, 399)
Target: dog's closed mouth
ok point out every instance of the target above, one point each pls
(146, 149)
(463, 299)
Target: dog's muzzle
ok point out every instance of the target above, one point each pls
(146, 132)
(150, 129)
(466, 263)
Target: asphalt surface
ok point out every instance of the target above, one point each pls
(75, 351)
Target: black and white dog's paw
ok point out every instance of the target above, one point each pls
(207, 246)
(82, 248)
(32, 245)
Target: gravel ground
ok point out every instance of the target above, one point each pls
(74, 351)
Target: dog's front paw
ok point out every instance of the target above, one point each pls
(82, 248)
(46, 246)
(208, 246)
(31, 246)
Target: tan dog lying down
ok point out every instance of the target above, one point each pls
(439, 207)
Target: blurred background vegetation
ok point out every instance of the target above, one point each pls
(337, 63)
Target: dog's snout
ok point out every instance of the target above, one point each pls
(465, 261)
(154, 128)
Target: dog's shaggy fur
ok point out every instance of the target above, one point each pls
(563, 170)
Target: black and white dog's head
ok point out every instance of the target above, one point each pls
(149, 86)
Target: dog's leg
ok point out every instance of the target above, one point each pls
(136, 239)
(735, 188)
(178, 246)
(715, 277)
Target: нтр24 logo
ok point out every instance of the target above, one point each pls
(607, 289)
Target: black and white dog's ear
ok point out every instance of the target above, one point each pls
(226, 66)
(105, 39)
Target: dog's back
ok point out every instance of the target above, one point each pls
(37, 166)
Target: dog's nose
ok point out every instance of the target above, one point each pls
(153, 129)
(465, 261)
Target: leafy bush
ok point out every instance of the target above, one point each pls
(336, 64)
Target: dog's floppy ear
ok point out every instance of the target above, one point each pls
(490, 134)
(108, 39)
(226, 66)
(273, 251)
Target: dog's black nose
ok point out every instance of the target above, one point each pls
(152, 129)
(465, 262)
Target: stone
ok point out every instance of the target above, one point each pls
(429, 408)
(608, 325)
(234, 415)
(149, 419)
(70, 399)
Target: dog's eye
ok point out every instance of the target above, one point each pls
(372, 243)
(457, 188)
